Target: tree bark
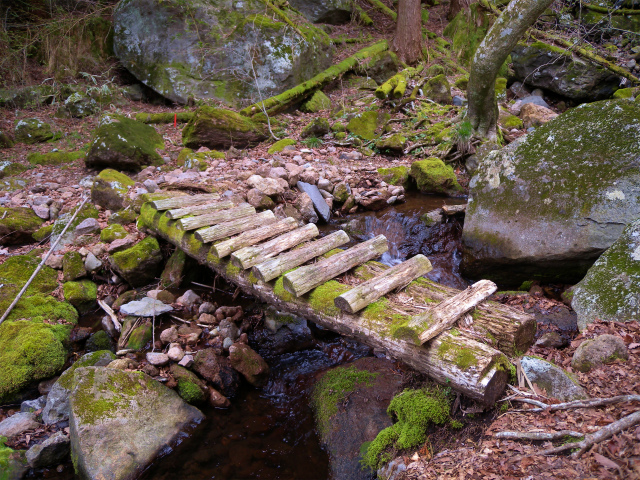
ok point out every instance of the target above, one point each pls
(184, 201)
(499, 42)
(408, 39)
(195, 210)
(456, 6)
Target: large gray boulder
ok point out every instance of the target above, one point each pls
(334, 12)
(556, 70)
(209, 49)
(611, 289)
(547, 206)
(553, 379)
(121, 421)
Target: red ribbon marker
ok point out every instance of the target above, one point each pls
(175, 120)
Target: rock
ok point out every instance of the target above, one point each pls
(157, 359)
(91, 263)
(268, 186)
(72, 266)
(552, 379)
(207, 307)
(14, 464)
(318, 127)
(251, 365)
(174, 270)
(585, 191)
(17, 424)
(396, 175)
(341, 192)
(32, 130)
(610, 291)
(121, 244)
(141, 419)
(217, 400)
(186, 362)
(369, 384)
(139, 337)
(305, 207)
(374, 201)
(532, 99)
(198, 61)
(535, 115)
(110, 188)
(333, 12)
(87, 227)
(318, 201)
(82, 295)
(146, 307)
(33, 405)
(57, 407)
(318, 102)
(394, 145)
(219, 128)
(175, 352)
(190, 388)
(217, 370)
(283, 333)
(189, 299)
(52, 451)
(169, 335)
(259, 199)
(367, 124)
(6, 141)
(554, 69)
(78, 105)
(228, 329)
(42, 211)
(139, 264)
(551, 339)
(100, 340)
(433, 176)
(17, 225)
(438, 90)
(599, 351)
(129, 364)
(309, 176)
(124, 144)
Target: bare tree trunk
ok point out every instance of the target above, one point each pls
(408, 40)
(456, 6)
(500, 40)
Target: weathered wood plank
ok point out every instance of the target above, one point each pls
(177, 213)
(445, 314)
(251, 237)
(184, 201)
(454, 209)
(397, 276)
(275, 267)
(192, 223)
(303, 279)
(249, 256)
(233, 227)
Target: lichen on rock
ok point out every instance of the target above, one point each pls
(110, 188)
(433, 176)
(220, 128)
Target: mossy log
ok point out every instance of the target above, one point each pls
(378, 5)
(303, 279)
(235, 226)
(251, 237)
(184, 201)
(362, 16)
(249, 256)
(165, 117)
(193, 223)
(286, 99)
(610, 11)
(283, 16)
(273, 268)
(195, 210)
(396, 86)
(474, 369)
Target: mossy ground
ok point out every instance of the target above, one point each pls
(280, 144)
(82, 294)
(54, 158)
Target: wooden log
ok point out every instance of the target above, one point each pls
(233, 227)
(378, 5)
(192, 223)
(184, 201)
(397, 276)
(254, 236)
(445, 314)
(273, 268)
(303, 279)
(195, 210)
(249, 256)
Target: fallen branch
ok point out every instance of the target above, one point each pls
(591, 403)
(610, 11)
(109, 311)
(538, 436)
(411, 148)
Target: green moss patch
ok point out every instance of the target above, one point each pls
(367, 124)
(112, 232)
(321, 298)
(280, 144)
(396, 175)
(82, 294)
(54, 158)
(433, 176)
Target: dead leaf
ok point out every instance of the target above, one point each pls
(604, 461)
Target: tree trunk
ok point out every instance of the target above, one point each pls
(456, 6)
(500, 40)
(408, 40)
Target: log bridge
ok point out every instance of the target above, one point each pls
(458, 338)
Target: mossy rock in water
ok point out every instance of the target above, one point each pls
(368, 124)
(280, 144)
(396, 176)
(466, 30)
(586, 191)
(17, 225)
(394, 145)
(54, 158)
(99, 341)
(433, 176)
(32, 130)
(112, 232)
(220, 128)
(110, 188)
(82, 294)
(139, 264)
(438, 90)
(318, 102)
(124, 144)
(190, 387)
(72, 266)
(8, 169)
(318, 127)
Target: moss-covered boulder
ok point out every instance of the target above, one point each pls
(333, 12)
(368, 124)
(610, 290)
(112, 232)
(32, 130)
(8, 169)
(78, 105)
(124, 144)
(576, 176)
(139, 336)
(438, 90)
(317, 127)
(123, 217)
(73, 266)
(280, 144)
(554, 69)
(318, 102)
(396, 175)
(110, 188)
(433, 176)
(17, 225)
(122, 421)
(599, 351)
(88, 211)
(220, 49)
(6, 140)
(191, 388)
(99, 341)
(198, 160)
(220, 128)
(139, 264)
(393, 145)
(82, 295)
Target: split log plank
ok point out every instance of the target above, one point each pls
(184, 201)
(254, 236)
(303, 279)
(454, 209)
(275, 267)
(249, 256)
(397, 276)
(192, 223)
(203, 209)
(233, 227)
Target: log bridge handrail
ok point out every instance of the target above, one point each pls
(280, 262)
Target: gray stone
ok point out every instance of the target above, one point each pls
(91, 263)
(150, 185)
(324, 184)
(189, 299)
(554, 380)
(169, 335)
(78, 105)
(268, 186)
(175, 352)
(157, 359)
(33, 405)
(41, 211)
(334, 12)
(142, 419)
(186, 361)
(17, 424)
(207, 307)
(228, 329)
(599, 351)
(146, 307)
(318, 201)
(535, 100)
(88, 226)
(52, 451)
(551, 339)
(304, 205)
